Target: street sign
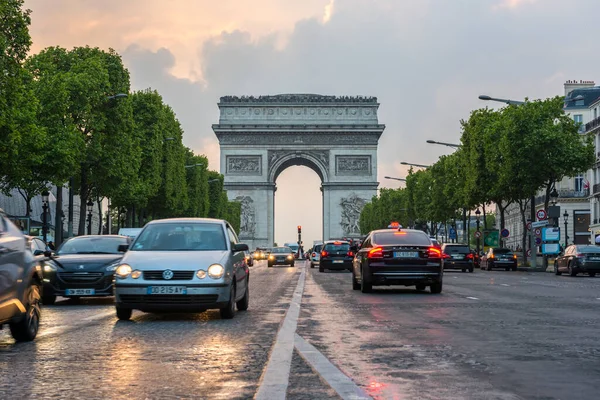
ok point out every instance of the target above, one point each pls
(504, 233)
(541, 215)
(491, 239)
(538, 231)
(477, 234)
(528, 226)
(528, 252)
(452, 233)
(538, 241)
(550, 248)
(551, 234)
(538, 224)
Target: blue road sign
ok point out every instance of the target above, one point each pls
(452, 233)
(504, 233)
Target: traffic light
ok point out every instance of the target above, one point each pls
(299, 229)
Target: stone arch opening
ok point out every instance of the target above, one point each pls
(298, 159)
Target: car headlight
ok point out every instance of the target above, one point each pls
(49, 268)
(201, 274)
(271, 257)
(216, 271)
(112, 267)
(289, 257)
(136, 274)
(123, 271)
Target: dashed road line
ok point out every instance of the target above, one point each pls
(342, 384)
(504, 284)
(472, 298)
(276, 377)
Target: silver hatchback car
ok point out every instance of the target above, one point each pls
(183, 265)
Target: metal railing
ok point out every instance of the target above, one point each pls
(567, 194)
(593, 124)
(596, 188)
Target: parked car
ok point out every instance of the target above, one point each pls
(578, 259)
(336, 255)
(83, 266)
(315, 255)
(497, 257)
(20, 283)
(398, 257)
(183, 265)
(457, 256)
(281, 256)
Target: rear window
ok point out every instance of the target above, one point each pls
(456, 249)
(502, 251)
(318, 247)
(588, 249)
(337, 247)
(401, 238)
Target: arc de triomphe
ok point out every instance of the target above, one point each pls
(335, 136)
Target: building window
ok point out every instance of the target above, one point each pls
(578, 118)
(579, 183)
(595, 112)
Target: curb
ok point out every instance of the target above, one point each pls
(527, 269)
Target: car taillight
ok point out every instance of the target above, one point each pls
(445, 255)
(514, 256)
(434, 252)
(491, 256)
(580, 255)
(470, 256)
(314, 254)
(376, 252)
(350, 254)
(323, 253)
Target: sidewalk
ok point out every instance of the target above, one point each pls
(540, 263)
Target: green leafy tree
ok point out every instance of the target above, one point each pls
(198, 185)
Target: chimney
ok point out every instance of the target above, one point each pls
(572, 85)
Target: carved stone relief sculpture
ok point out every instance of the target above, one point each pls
(351, 208)
(352, 165)
(245, 165)
(248, 216)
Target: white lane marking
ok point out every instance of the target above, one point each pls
(342, 384)
(473, 298)
(504, 284)
(275, 379)
(59, 330)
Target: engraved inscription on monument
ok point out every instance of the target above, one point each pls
(353, 165)
(244, 165)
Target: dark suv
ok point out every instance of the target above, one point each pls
(336, 255)
(458, 256)
(398, 257)
(20, 283)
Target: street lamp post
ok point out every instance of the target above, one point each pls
(453, 145)
(415, 165)
(477, 214)
(90, 207)
(194, 165)
(45, 197)
(395, 179)
(566, 218)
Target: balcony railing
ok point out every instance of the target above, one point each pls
(593, 124)
(568, 194)
(596, 188)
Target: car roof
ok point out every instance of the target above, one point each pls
(455, 244)
(99, 236)
(186, 220)
(337, 241)
(403, 230)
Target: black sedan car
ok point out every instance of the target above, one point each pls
(336, 255)
(281, 256)
(498, 257)
(398, 257)
(83, 266)
(578, 259)
(458, 256)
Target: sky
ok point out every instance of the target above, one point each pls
(425, 60)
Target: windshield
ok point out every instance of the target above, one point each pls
(282, 250)
(502, 251)
(588, 249)
(181, 237)
(337, 247)
(318, 248)
(401, 238)
(292, 246)
(456, 249)
(92, 245)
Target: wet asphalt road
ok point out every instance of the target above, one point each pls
(489, 335)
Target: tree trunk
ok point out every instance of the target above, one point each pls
(485, 226)
(83, 197)
(100, 219)
(523, 209)
(58, 215)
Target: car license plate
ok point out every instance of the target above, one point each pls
(338, 261)
(167, 290)
(594, 258)
(406, 254)
(80, 292)
(457, 256)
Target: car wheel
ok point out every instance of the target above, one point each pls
(355, 285)
(514, 268)
(48, 300)
(26, 329)
(229, 311)
(436, 287)
(269, 265)
(572, 271)
(507, 269)
(321, 269)
(471, 269)
(464, 270)
(292, 264)
(312, 265)
(556, 270)
(243, 304)
(421, 287)
(592, 274)
(365, 287)
(124, 314)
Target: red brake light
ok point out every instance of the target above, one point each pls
(580, 255)
(314, 254)
(350, 254)
(434, 252)
(323, 253)
(376, 252)
(445, 255)
(469, 256)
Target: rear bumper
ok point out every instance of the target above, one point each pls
(332, 265)
(458, 264)
(588, 267)
(407, 275)
(502, 264)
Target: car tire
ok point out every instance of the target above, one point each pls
(464, 270)
(421, 287)
(48, 300)
(471, 270)
(312, 265)
(556, 270)
(355, 285)
(124, 314)
(436, 288)
(321, 269)
(243, 304)
(269, 265)
(507, 269)
(26, 329)
(292, 265)
(228, 312)
(592, 274)
(365, 287)
(514, 268)
(572, 271)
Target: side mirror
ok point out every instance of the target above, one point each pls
(38, 252)
(123, 248)
(47, 253)
(239, 247)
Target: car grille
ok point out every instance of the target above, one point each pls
(80, 277)
(170, 298)
(177, 275)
